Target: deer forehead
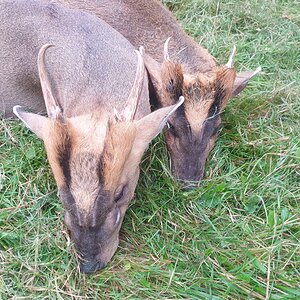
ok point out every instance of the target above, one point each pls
(86, 180)
(88, 133)
(199, 94)
(118, 148)
(87, 155)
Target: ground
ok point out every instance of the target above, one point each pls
(235, 237)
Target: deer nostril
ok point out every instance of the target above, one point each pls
(91, 266)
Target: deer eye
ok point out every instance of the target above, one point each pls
(120, 194)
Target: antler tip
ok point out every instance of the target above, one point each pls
(231, 58)
(166, 49)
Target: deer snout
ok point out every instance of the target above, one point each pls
(91, 266)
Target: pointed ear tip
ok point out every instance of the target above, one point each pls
(17, 109)
(259, 69)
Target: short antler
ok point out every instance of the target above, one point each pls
(52, 106)
(135, 93)
(166, 49)
(231, 58)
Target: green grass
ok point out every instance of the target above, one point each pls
(236, 237)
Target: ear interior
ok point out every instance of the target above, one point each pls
(242, 79)
(38, 124)
(151, 125)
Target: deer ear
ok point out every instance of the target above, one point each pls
(151, 125)
(167, 80)
(225, 78)
(38, 124)
(242, 79)
(153, 69)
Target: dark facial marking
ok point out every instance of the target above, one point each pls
(178, 124)
(173, 80)
(64, 154)
(102, 205)
(69, 202)
(174, 88)
(220, 94)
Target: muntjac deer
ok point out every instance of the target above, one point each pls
(177, 66)
(94, 89)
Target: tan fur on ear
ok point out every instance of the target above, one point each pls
(224, 85)
(151, 125)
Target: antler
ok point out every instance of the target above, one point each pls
(166, 49)
(231, 58)
(135, 93)
(52, 106)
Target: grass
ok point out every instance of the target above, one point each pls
(236, 237)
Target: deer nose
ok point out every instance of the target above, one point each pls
(91, 266)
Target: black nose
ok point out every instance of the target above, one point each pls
(91, 266)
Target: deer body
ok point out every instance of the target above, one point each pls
(149, 23)
(93, 86)
(88, 59)
(180, 67)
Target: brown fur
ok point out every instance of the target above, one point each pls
(98, 152)
(56, 139)
(148, 23)
(200, 95)
(119, 143)
(95, 135)
(193, 131)
(192, 71)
